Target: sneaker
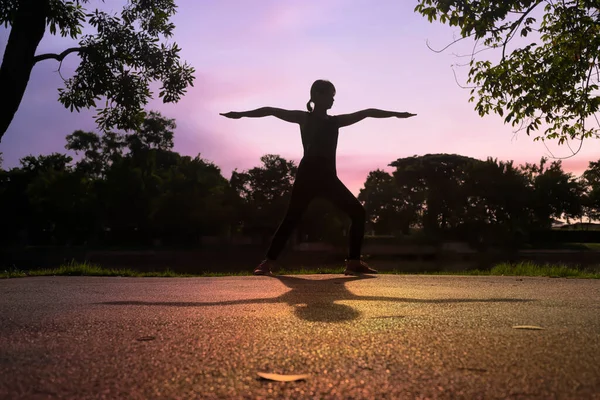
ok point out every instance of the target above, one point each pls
(357, 267)
(264, 268)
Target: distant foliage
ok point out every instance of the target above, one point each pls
(449, 196)
(125, 189)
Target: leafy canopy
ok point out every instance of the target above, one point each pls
(120, 61)
(551, 79)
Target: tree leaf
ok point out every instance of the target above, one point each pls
(282, 378)
(529, 327)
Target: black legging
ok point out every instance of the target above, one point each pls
(317, 177)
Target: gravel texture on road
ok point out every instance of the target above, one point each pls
(371, 337)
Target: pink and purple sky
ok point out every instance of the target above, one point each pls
(268, 53)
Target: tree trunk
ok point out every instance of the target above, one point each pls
(25, 35)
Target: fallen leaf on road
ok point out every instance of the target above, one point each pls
(282, 378)
(145, 338)
(532, 327)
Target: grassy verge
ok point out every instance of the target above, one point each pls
(86, 269)
(503, 269)
(551, 270)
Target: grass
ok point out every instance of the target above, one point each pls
(550, 270)
(86, 269)
(503, 269)
(577, 246)
(590, 246)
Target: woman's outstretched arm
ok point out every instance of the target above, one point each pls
(349, 119)
(286, 115)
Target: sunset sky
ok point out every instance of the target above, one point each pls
(249, 54)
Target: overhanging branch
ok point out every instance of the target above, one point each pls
(515, 25)
(58, 57)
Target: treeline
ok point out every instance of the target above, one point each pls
(487, 202)
(133, 189)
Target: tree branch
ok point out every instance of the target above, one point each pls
(459, 85)
(448, 45)
(515, 26)
(58, 57)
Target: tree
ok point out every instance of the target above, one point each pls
(168, 196)
(99, 152)
(156, 132)
(48, 202)
(555, 194)
(499, 203)
(265, 192)
(54, 161)
(552, 78)
(61, 201)
(118, 63)
(591, 182)
(191, 201)
(387, 210)
(434, 186)
(137, 166)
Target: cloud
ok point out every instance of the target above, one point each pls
(287, 17)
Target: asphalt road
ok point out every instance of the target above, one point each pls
(381, 337)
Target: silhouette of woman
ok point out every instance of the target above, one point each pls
(317, 174)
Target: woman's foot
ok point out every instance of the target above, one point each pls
(357, 267)
(264, 268)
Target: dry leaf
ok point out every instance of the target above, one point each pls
(282, 378)
(145, 338)
(532, 327)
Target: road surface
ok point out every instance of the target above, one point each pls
(381, 337)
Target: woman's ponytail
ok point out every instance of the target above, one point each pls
(308, 106)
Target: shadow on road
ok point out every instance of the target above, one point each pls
(316, 300)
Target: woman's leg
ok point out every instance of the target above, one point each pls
(302, 194)
(341, 197)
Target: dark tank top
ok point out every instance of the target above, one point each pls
(320, 137)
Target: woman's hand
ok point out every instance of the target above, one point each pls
(232, 114)
(405, 115)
